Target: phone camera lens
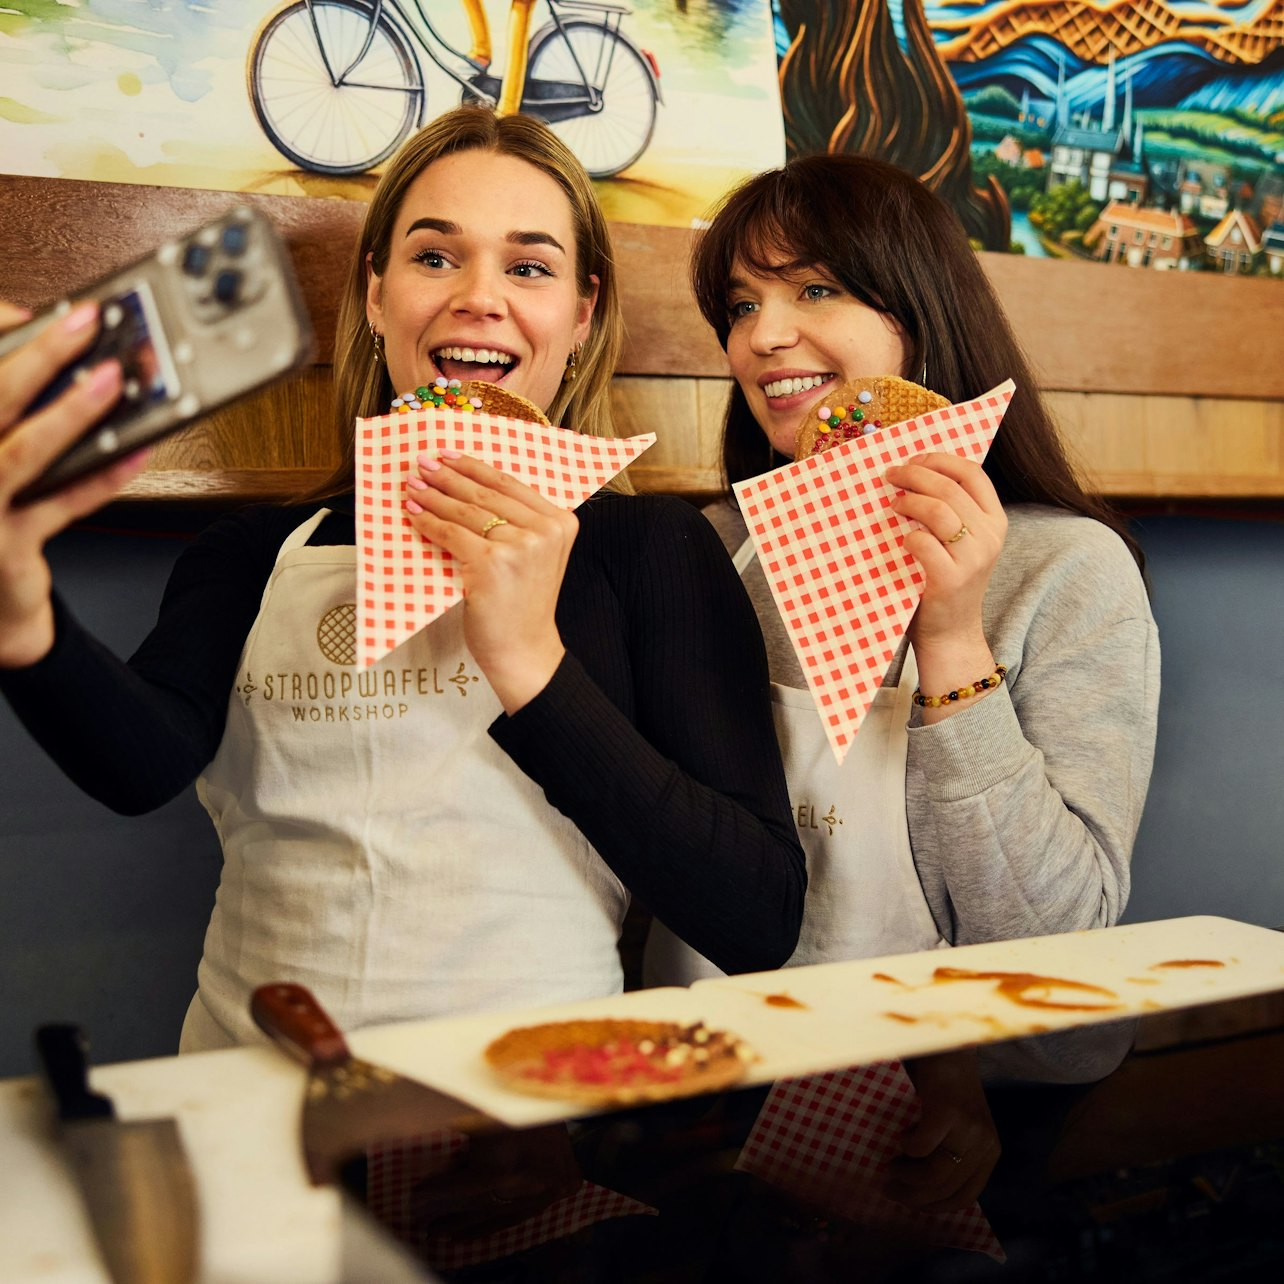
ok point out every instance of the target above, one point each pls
(235, 239)
(195, 260)
(227, 286)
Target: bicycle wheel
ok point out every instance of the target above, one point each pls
(334, 128)
(611, 138)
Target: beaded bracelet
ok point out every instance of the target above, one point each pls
(984, 684)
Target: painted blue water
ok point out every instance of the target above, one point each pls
(1024, 234)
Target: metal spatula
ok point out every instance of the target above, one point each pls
(349, 1103)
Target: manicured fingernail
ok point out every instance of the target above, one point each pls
(452, 454)
(429, 465)
(79, 318)
(417, 483)
(412, 507)
(104, 378)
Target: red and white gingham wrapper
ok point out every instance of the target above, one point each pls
(394, 1169)
(826, 1138)
(830, 547)
(403, 581)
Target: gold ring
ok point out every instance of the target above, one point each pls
(958, 535)
(490, 525)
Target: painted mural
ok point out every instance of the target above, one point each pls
(666, 102)
(1143, 132)
(1148, 132)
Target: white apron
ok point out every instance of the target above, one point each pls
(863, 893)
(378, 846)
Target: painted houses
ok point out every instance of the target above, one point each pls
(1273, 248)
(1161, 239)
(1234, 244)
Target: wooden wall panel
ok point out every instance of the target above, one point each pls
(281, 441)
(1168, 384)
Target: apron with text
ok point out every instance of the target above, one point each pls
(378, 846)
(864, 898)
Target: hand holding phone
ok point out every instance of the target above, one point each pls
(193, 326)
(27, 445)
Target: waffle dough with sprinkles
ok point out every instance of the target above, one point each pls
(860, 406)
(476, 395)
(604, 1061)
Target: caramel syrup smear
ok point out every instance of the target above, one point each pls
(1029, 990)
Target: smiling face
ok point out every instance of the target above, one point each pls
(793, 336)
(480, 278)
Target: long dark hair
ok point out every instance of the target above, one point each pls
(899, 249)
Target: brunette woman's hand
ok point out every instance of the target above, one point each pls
(961, 531)
(511, 547)
(28, 444)
(949, 1154)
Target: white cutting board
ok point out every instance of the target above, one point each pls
(238, 1115)
(238, 1110)
(849, 1016)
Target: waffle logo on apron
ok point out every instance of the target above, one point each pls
(337, 634)
(380, 693)
(807, 818)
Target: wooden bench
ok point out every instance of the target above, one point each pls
(1167, 385)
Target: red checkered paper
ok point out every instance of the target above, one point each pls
(826, 1139)
(831, 549)
(396, 1168)
(403, 581)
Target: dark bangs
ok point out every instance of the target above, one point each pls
(787, 221)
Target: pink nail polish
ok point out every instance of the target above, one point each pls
(452, 454)
(412, 507)
(417, 483)
(79, 318)
(429, 465)
(104, 378)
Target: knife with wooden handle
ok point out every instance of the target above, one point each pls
(133, 1174)
(349, 1103)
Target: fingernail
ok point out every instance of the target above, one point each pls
(79, 318)
(417, 483)
(104, 378)
(452, 454)
(429, 465)
(412, 507)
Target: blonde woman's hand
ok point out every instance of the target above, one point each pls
(961, 529)
(511, 547)
(28, 444)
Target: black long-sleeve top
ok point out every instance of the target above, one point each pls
(654, 736)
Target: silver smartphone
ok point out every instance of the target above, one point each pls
(194, 325)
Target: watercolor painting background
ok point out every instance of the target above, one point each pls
(144, 91)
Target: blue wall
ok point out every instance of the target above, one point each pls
(102, 917)
(1212, 837)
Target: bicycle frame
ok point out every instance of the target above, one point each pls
(557, 100)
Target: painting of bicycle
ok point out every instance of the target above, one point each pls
(337, 85)
(665, 102)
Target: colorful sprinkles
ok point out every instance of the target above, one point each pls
(846, 422)
(442, 392)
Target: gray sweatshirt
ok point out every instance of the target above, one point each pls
(1023, 807)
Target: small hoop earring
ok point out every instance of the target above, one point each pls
(572, 359)
(923, 377)
(377, 339)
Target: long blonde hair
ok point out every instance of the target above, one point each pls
(361, 384)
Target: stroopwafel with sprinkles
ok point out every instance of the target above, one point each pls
(861, 406)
